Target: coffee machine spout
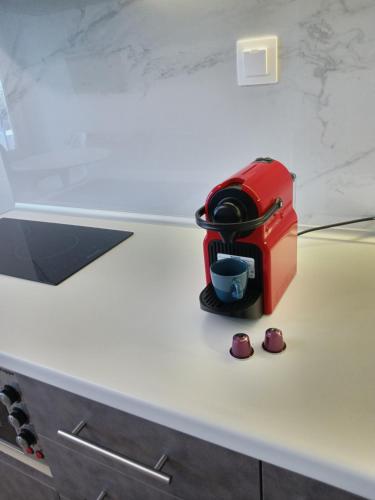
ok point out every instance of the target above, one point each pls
(228, 236)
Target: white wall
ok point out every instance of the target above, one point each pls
(133, 104)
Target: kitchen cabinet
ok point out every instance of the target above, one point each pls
(282, 484)
(199, 470)
(80, 478)
(85, 462)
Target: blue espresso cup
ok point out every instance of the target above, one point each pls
(229, 278)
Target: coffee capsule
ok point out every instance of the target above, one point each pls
(274, 341)
(241, 346)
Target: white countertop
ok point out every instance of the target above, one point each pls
(127, 331)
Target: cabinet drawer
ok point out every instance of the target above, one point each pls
(16, 485)
(199, 470)
(80, 478)
(282, 484)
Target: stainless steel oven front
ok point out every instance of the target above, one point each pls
(18, 437)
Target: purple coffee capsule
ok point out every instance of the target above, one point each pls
(273, 341)
(241, 347)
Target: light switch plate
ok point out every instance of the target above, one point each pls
(257, 60)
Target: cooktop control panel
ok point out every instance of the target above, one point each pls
(16, 428)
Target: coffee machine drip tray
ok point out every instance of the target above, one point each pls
(49, 253)
(249, 307)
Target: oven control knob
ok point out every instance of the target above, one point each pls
(26, 439)
(17, 418)
(39, 455)
(9, 395)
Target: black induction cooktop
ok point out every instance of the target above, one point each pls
(49, 252)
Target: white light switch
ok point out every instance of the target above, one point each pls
(257, 61)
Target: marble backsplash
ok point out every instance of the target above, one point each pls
(133, 105)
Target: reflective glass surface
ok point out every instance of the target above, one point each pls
(49, 252)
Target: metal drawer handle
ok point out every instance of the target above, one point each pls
(154, 472)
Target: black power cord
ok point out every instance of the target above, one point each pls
(344, 223)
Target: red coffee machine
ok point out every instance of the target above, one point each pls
(251, 215)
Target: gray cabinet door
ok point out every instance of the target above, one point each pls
(80, 478)
(200, 470)
(15, 485)
(281, 484)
